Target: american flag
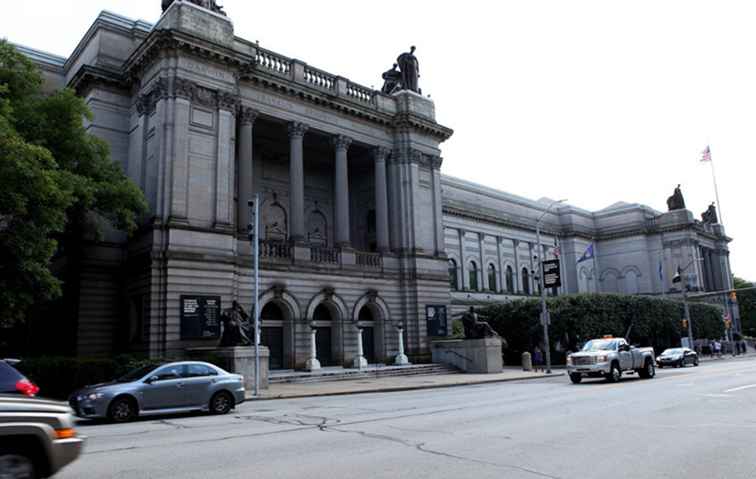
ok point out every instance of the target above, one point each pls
(706, 154)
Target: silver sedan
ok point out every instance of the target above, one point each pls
(163, 389)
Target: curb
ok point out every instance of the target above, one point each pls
(401, 388)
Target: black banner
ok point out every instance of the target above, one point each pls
(436, 319)
(552, 276)
(200, 317)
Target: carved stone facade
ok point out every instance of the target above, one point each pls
(357, 224)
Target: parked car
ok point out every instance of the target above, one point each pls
(677, 357)
(37, 437)
(609, 358)
(13, 382)
(163, 389)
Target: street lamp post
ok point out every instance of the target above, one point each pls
(545, 319)
(677, 279)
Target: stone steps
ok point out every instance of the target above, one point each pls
(373, 372)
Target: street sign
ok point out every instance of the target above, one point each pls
(436, 320)
(552, 276)
(200, 317)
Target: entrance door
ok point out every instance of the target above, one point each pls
(323, 345)
(272, 337)
(368, 345)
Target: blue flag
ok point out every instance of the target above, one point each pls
(587, 255)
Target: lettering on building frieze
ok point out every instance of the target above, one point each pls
(206, 70)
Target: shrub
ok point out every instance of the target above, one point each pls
(577, 318)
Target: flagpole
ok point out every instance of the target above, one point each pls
(716, 192)
(595, 268)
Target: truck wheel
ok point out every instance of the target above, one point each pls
(576, 378)
(17, 464)
(648, 370)
(615, 374)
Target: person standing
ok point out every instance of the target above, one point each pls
(537, 359)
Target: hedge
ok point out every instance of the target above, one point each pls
(577, 318)
(57, 377)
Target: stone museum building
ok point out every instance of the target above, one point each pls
(358, 226)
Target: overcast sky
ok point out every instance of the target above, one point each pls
(594, 101)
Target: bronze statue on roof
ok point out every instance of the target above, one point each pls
(208, 4)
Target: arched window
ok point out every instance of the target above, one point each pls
(492, 278)
(525, 281)
(510, 280)
(473, 276)
(453, 283)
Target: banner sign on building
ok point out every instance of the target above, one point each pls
(200, 317)
(436, 319)
(552, 277)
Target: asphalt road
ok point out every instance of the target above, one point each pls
(686, 423)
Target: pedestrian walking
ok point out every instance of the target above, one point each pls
(718, 349)
(537, 359)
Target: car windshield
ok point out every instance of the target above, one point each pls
(673, 352)
(600, 345)
(137, 373)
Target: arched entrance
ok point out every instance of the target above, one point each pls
(325, 338)
(272, 334)
(372, 333)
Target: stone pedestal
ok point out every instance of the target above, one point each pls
(359, 361)
(313, 364)
(470, 355)
(401, 359)
(238, 360)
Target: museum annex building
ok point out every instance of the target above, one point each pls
(358, 225)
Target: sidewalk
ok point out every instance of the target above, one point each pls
(392, 384)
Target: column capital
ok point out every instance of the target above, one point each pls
(341, 142)
(380, 153)
(228, 101)
(247, 115)
(298, 129)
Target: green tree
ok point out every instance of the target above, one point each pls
(747, 304)
(57, 183)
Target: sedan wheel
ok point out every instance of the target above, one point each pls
(221, 403)
(16, 466)
(122, 410)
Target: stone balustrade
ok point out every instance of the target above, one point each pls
(319, 254)
(369, 260)
(360, 93)
(272, 249)
(273, 62)
(319, 78)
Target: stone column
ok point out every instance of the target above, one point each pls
(401, 358)
(438, 222)
(381, 200)
(296, 181)
(228, 105)
(341, 190)
(247, 117)
(359, 362)
(313, 364)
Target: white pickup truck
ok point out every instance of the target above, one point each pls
(609, 358)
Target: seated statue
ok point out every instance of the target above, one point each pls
(676, 201)
(391, 80)
(209, 4)
(710, 215)
(475, 329)
(234, 320)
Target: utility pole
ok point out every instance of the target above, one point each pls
(253, 230)
(545, 317)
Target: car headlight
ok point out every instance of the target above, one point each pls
(95, 396)
(602, 359)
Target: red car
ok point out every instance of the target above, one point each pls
(13, 382)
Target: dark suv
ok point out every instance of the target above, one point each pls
(37, 437)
